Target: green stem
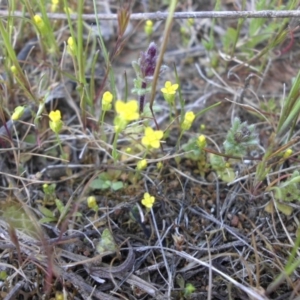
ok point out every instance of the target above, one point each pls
(178, 141)
(114, 151)
(59, 144)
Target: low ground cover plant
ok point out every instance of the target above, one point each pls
(148, 159)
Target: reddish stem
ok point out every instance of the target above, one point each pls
(289, 46)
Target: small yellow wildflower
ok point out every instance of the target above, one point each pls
(148, 200)
(183, 30)
(159, 165)
(170, 89)
(54, 5)
(188, 290)
(201, 141)
(71, 46)
(91, 202)
(287, 153)
(191, 21)
(127, 111)
(189, 118)
(152, 138)
(59, 296)
(55, 121)
(148, 27)
(40, 24)
(106, 100)
(55, 116)
(18, 112)
(141, 165)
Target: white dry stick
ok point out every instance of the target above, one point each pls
(163, 255)
(178, 15)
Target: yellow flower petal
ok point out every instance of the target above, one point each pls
(148, 200)
(18, 112)
(158, 134)
(152, 138)
(107, 97)
(55, 116)
(127, 111)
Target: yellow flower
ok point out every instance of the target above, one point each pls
(141, 165)
(183, 30)
(127, 111)
(18, 112)
(91, 202)
(152, 138)
(287, 153)
(191, 21)
(40, 24)
(189, 118)
(71, 46)
(170, 89)
(159, 165)
(55, 121)
(106, 101)
(148, 27)
(54, 5)
(201, 141)
(148, 200)
(55, 116)
(59, 296)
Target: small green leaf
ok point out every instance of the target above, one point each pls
(47, 220)
(3, 275)
(284, 208)
(100, 184)
(106, 242)
(228, 38)
(227, 175)
(60, 206)
(192, 149)
(180, 281)
(189, 289)
(45, 211)
(30, 139)
(117, 185)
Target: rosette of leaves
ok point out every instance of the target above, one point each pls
(219, 165)
(192, 150)
(107, 180)
(240, 139)
(288, 190)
